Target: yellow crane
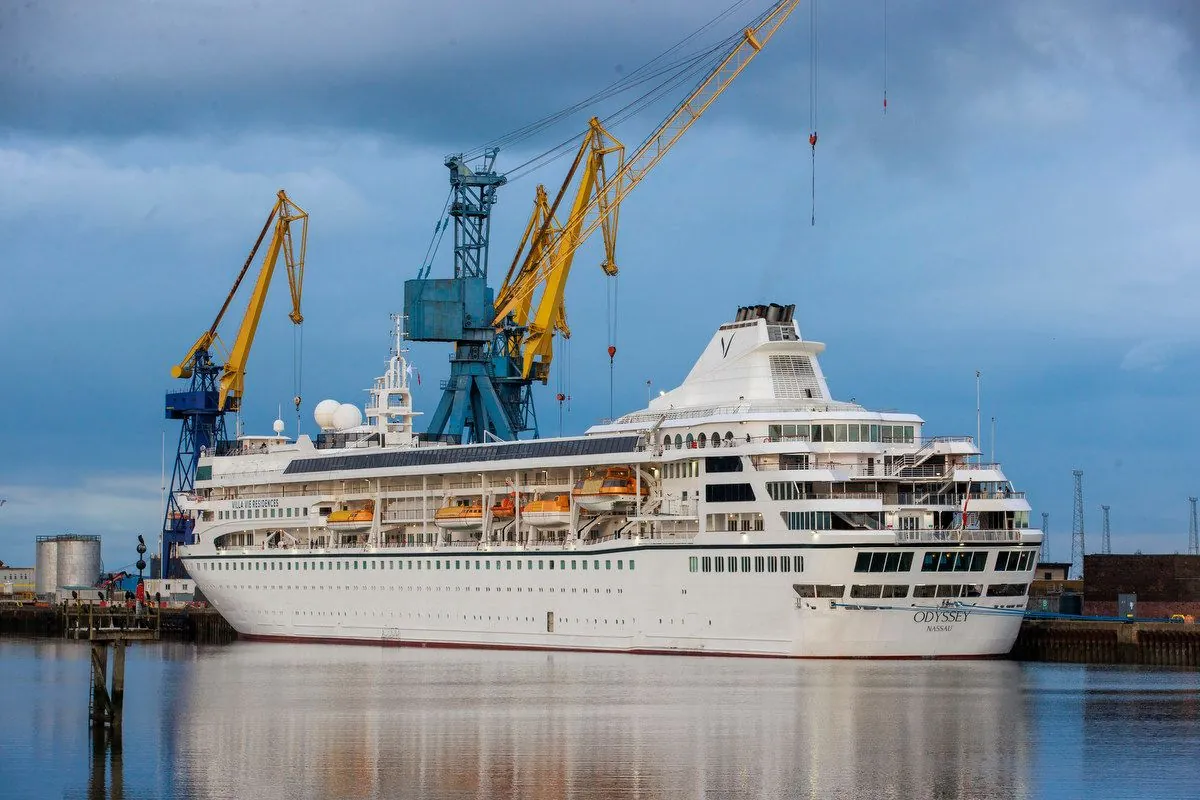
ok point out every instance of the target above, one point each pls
(284, 214)
(545, 238)
(548, 247)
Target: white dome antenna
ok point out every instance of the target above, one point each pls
(323, 414)
(346, 416)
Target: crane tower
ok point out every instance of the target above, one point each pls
(1106, 542)
(1077, 538)
(1193, 536)
(501, 343)
(485, 395)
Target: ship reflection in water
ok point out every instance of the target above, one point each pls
(264, 720)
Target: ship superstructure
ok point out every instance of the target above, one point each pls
(745, 512)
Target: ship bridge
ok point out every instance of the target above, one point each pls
(757, 363)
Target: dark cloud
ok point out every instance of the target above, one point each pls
(455, 75)
(448, 72)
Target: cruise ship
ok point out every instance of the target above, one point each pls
(743, 513)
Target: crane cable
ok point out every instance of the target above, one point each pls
(812, 100)
(885, 54)
(435, 241)
(611, 298)
(297, 370)
(563, 383)
(696, 64)
(640, 75)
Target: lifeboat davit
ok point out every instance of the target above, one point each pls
(548, 513)
(612, 489)
(504, 509)
(349, 519)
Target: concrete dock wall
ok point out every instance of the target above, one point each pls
(1095, 642)
(200, 625)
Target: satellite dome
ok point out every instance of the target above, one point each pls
(346, 416)
(323, 414)
(278, 427)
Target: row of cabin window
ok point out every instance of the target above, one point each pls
(960, 561)
(876, 590)
(945, 561)
(887, 434)
(883, 562)
(790, 490)
(434, 564)
(808, 520)
(254, 513)
(1014, 560)
(955, 561)
(681, 469)
(746, 564)
(702, 440)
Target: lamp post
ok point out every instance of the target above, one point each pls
(141, 565)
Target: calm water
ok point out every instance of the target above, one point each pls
(294, 721)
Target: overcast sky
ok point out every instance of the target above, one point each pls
(1027, 207)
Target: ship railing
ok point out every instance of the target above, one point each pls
(919, 499)
(957, 536)
(411, 515)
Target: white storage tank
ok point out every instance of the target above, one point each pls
(45, 579)
(78, 562)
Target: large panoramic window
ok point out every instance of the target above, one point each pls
(808, 520)
(883, 562)
(728, 493)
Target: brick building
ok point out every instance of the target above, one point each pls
(1164, 584)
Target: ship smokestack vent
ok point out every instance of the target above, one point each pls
(773, 313)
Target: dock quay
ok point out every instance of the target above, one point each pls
(1084, 641)
(1077, 640)
(198, 625)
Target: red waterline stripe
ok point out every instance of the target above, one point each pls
(642, 651)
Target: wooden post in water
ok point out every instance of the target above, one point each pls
(118, 686)
(100, 701)
(116, 626)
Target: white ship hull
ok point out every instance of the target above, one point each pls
(770, 520)
(659, 606)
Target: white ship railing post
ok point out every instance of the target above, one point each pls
(573, 530)
(485, 511)
(637, 494)
(424, 506)
(376, 528)
(516, 484)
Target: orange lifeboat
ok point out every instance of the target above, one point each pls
(548, 513)
(462, 515)
(351, 518)
(612, 489)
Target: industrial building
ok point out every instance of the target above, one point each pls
(1162, 585)
(66, 560)
(1052, 590)
(16, 582)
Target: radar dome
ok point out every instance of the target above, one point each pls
(323, 414)
(347, 416)
(278, 427)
